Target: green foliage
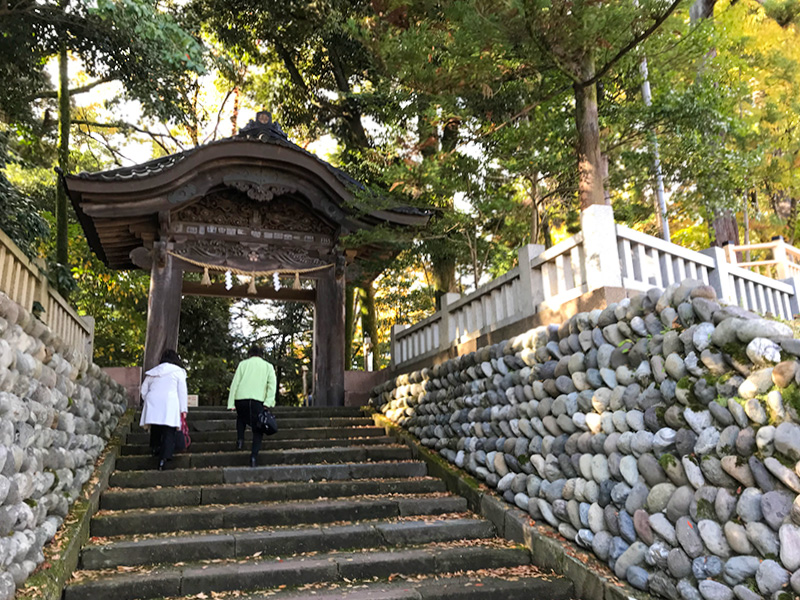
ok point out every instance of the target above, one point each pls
(20, 220)
(133, 41)
(208, 346)
(285, 330)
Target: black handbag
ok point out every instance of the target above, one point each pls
(266, 423)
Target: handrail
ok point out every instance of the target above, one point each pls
(25, 282)
(603, 254)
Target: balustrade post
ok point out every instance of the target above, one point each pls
(600, 247)
(794, 300)
(730, 253)
(719, 278)
(445, 322)
(781, 258)
(531, 294)
(396, 359)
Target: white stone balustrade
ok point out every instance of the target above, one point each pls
(25, 282)
(602, 255)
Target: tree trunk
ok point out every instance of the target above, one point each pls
(369, 321)
(62, 251)
(725, 228)
(349, 322)
(534, 195)
(235, 113)
(590, 168)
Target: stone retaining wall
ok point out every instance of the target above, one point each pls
(661, 433)
(57, 411)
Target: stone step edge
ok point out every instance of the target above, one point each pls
(62, 553)
(242, 543)
(204, 508)
(215, 576)
(266, 452)
(592, 579)
(476, 584)
(290, 433)
(355, 470)
(275, 445)
(232, 487)
(228, 517)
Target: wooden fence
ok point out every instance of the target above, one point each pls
(25, 282)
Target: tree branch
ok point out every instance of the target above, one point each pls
(123, 125)
(637, 39)
(72, 92)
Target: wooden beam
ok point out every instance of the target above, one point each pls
(217, 290)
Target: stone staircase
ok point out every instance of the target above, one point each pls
(335, 509)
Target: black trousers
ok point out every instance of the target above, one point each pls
(246, 413)
(162, 440)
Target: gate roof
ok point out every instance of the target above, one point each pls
(124, 209)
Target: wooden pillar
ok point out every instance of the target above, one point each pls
(329, 337)
(163, 306)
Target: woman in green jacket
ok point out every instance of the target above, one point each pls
(253, 387)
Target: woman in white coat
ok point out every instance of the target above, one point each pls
(164, 401)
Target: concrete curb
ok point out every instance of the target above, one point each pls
(62, 554)
(592, 580)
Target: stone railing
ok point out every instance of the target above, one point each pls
(776, 258)
(25, 282)
(602, 255)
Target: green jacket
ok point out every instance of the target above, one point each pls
(254, 380)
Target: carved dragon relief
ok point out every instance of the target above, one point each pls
(256, 257)
(261, 192)
(237, 208)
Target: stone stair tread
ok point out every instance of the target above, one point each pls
(335, 454)
(226, 424)
(226, 575)
(520, 583)
(269, 444)
(141, 437)
(220, 475)
(208, 517)
(204, 412)
(129, 498)
(243, 543)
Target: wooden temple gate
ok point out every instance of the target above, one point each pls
(253, 204)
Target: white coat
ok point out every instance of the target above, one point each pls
(164, 395)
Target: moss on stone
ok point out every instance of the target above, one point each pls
(737, 352)
(722, 401)
(667, 460)
(684, 383)
(791, 396)
(705, 510)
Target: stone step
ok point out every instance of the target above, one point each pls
(194, 460)
(309, 433)
(208, 517)
(282, 542)
(269, 444)
(274, 573)
(229, 423)
(505, 584)
(221, 412)
(221, 475)
(124, 499)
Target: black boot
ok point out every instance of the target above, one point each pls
(239, 444)
(253, 461)
(161, 464)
